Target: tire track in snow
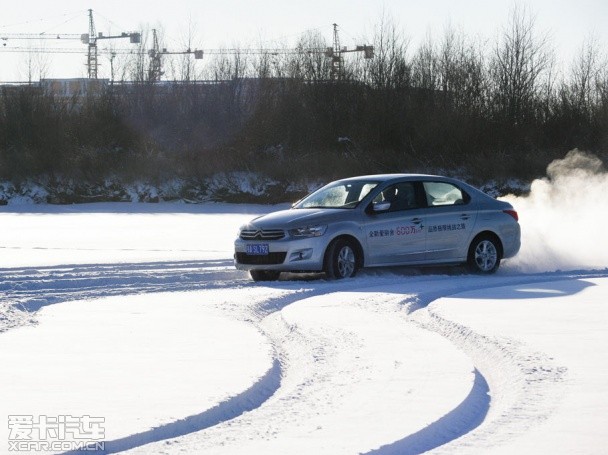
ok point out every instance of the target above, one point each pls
(526, 385)
(329, 369)
(231, 408)
(32, 288)
(250, 399)
(456, 423)
(466, 418)
(25, 290)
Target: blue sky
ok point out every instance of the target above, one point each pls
(233, 22)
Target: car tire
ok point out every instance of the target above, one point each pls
(264, 275)
(341, 260)
(484, 255)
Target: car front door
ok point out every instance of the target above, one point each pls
(395, 227)
(450, 216)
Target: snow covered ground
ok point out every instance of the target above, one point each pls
(134, 313)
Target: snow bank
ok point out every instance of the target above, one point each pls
(235, 187)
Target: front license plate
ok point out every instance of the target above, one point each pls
(258, 249)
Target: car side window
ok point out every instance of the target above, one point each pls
(442, 194)
(402, 196)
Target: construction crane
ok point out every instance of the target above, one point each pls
(155, 70)
(335, 53)
(91, 39)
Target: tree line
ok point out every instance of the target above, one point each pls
(453, 105)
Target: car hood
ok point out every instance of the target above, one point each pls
(292, 218)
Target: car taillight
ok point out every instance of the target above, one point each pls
(513, 213)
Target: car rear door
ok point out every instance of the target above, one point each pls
(450, 216)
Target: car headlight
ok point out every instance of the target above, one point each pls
(308, 231)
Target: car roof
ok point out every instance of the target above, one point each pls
(384, 178)
(389, 177)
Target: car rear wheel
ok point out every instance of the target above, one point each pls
(484, 255)
(264, 275)
(341, 260)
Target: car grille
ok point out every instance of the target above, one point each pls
(268, 259)
(262, 234)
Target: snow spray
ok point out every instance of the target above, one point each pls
(564, 218)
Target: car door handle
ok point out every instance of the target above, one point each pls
(416, 220)
(465, 216)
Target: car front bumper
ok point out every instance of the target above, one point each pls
(287, 255)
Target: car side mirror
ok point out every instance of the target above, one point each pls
(381, 206)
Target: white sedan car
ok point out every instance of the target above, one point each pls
(381, 220)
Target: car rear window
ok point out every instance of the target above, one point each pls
(443, 193)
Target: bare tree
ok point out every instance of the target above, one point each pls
(518, 65)
(602, 88)
(262, 65)
(585, 74)
(311, 63)
(461, 72)
(228, 65)
(36, 63)
(425, 67)
(389, 67)
(138, 61)
(186, 70)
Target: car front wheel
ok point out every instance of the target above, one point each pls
(264, 275)
(341, 260)
(484, 255)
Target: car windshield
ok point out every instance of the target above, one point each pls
(337, 195)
